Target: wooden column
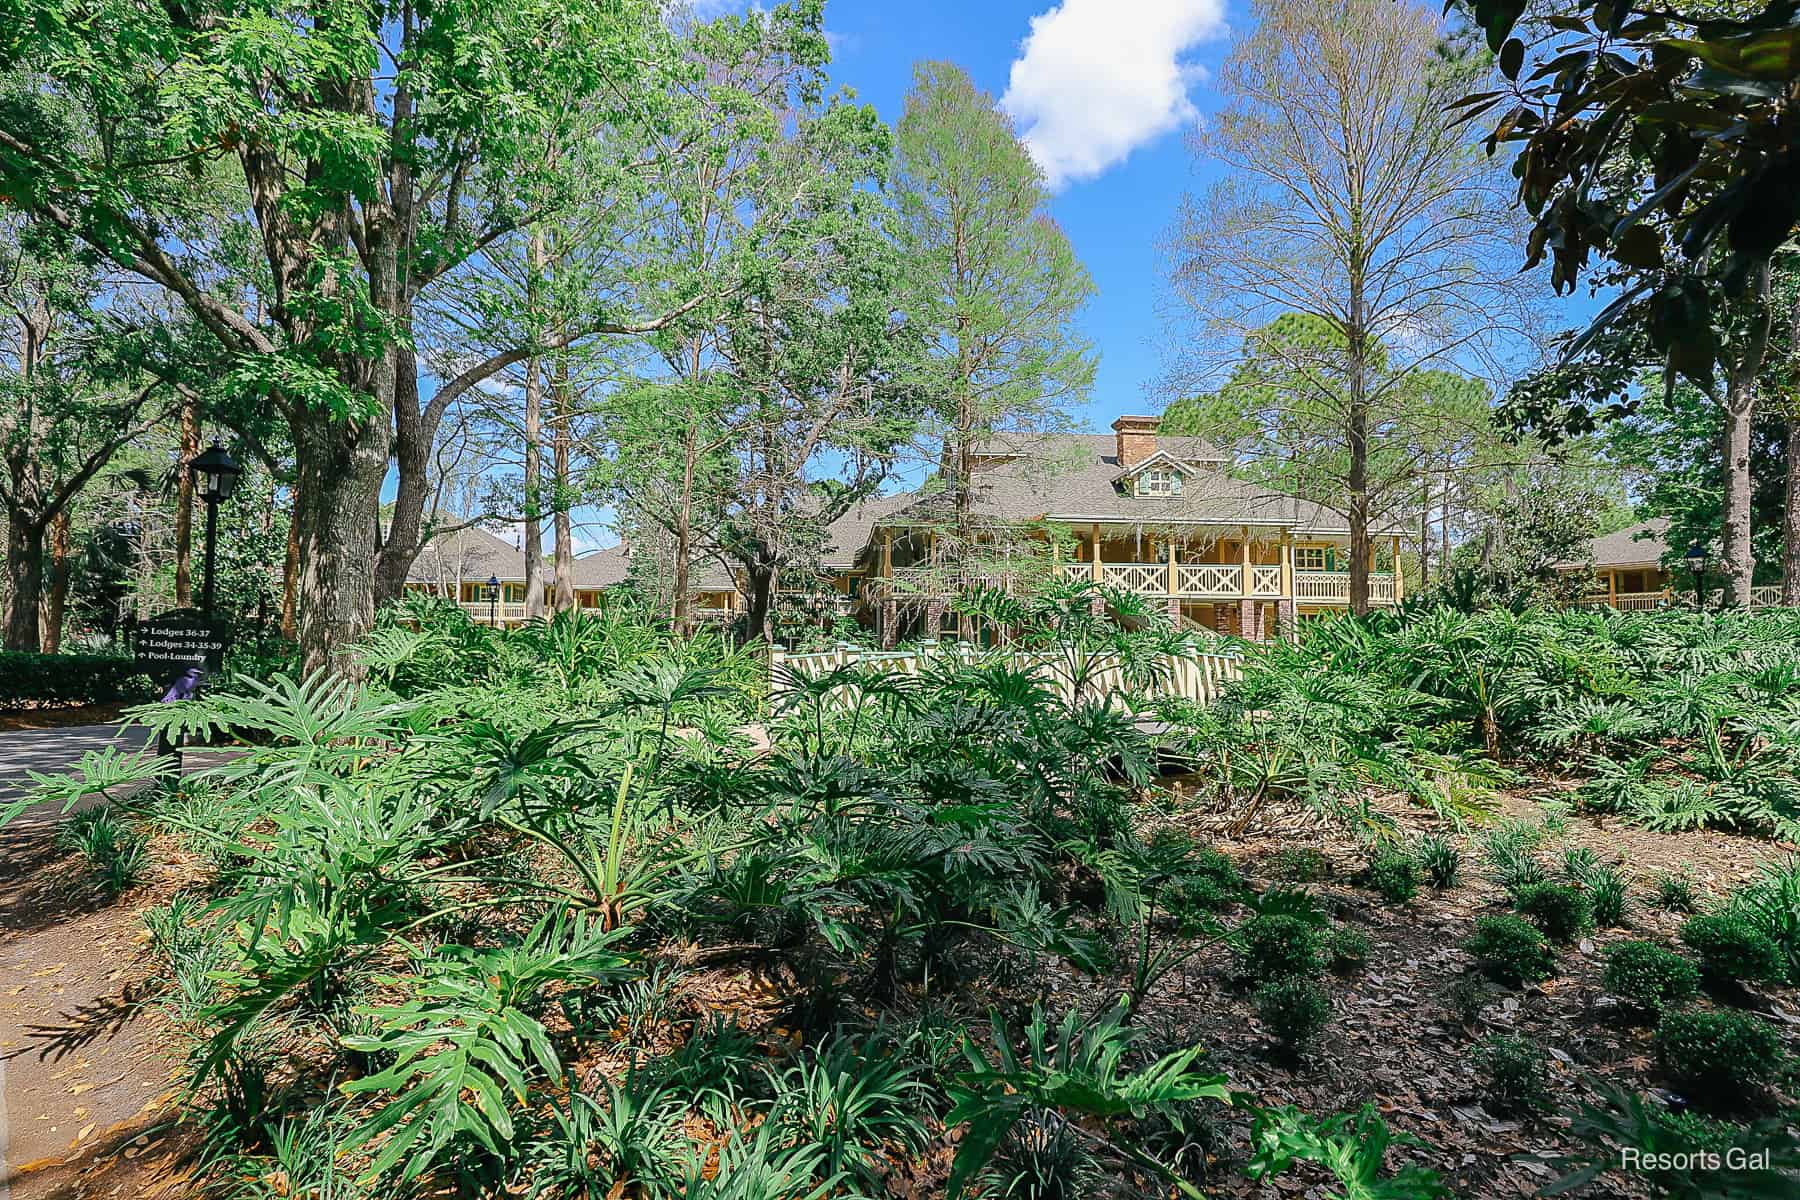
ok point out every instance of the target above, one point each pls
(1094, 532)
(1287, 564)
(1399, 582)
(1173, 590)
(1244, 547)
(1612, 588)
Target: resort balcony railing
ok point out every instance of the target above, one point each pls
(1768, 596)
(1231, 581)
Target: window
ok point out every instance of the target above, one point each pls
(1159, 481)
(1312, 558)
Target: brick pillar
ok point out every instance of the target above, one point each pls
(890, 623)
(1285, 615)
(934, 618)
(1175, 611)
(1247, 620)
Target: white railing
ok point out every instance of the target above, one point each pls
(1265, 581)
(1333, 587)
(1197, 675)
(1146, 579)
(1631, 601)
(483, 613)
(1212, 579)
(1766, 597)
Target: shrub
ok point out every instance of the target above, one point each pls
(1510, 951)
(1209, 862)
(1294, 1008)
(1608, 895)
(1731, 949)
(1717, 1056)
(1190, 899)
(1393, 875)
(1347, 949)
(1674, 892)
(1440, 860)
(1771, 904)
(1562, 912)
(37, 680)
(1272, 945)
(1649, 976)
(1299, 864)
(1515, 1074)
(1466, 997)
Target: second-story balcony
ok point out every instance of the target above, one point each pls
(1231, 581)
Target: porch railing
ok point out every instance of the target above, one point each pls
(1225, 581)
(1197, 675)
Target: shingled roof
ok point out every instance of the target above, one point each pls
(1076, 478)
(1640, 545)
(471, 554)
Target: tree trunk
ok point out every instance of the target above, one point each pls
(759, 601)
(56, 595)
(684, 536)
(338, 477)
(290, 576)
(1790, 541)
(1737, 560)
(534, 469)
(562, 400)
(184, 504)
(1356, 438)
(1737, 555)
(412, 464)
(25, 572)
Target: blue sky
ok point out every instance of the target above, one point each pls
(1104, 90)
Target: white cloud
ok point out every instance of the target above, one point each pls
(1095, 79)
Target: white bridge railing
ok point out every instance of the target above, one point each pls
(1197, 675)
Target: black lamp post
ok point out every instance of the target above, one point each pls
(1696, 561)
(216, 476)
(493, 600)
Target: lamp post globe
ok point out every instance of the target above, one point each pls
(493, 601)
(216, 476)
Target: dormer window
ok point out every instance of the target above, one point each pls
(1159, 481)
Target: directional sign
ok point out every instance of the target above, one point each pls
(178, 650)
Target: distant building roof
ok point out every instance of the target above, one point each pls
(470, 554)
(1077, 478)
(1640, 545)
(609, 568)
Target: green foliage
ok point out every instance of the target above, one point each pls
(1509, 951)
(1515, 1074)
(1393, 874)
(1718, 1057)
(1731, 949)
(1771, 904)
(44, 680)
(112, 846)
(1440, 859)
(1352, 1146)
(1070, 1068)
(1562, 912)
(1678, 1154)
(1272, 946)
(1298, 864)
(1294, 1008)
(1650, 976)
(1609, 895)
(1674, 892)
(1347, 949)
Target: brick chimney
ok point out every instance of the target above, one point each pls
(1135, 438)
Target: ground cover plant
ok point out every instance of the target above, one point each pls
(574, 910)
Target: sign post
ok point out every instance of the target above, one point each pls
(178, 650)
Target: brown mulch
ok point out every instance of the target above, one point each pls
(61, 717)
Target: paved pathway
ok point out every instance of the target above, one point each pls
(78, 1065)
(44, 750)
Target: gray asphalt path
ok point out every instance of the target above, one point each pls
(46, 750)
